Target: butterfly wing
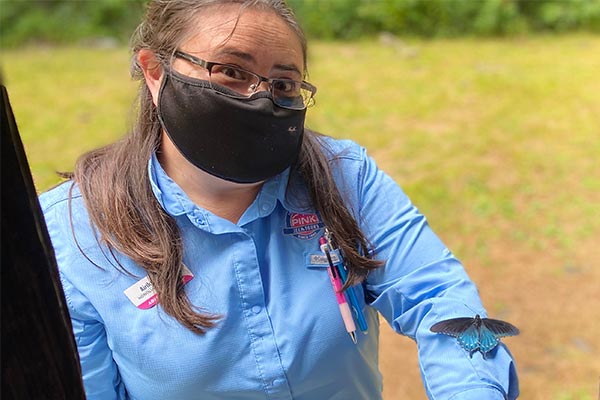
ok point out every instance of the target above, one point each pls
(472, 335)
(453, 327)
(487, 339)
(499, 328)
(469, 339)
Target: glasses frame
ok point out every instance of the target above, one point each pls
(208, 65)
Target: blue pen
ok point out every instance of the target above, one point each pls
(357, 311)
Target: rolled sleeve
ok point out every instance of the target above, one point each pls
(423, 283)
(482, 393)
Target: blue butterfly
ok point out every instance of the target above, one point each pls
(477, 333)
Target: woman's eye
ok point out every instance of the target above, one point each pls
(231, 73)
(286, 86)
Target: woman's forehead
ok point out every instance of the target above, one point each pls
(228, 28)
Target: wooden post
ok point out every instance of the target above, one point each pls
(39, 357)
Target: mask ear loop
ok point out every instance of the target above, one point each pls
(163, 83)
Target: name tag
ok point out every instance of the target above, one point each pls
(317, 260)
(143, 295)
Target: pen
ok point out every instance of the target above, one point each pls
(360, 318)
(336, 283)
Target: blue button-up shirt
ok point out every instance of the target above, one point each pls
(280, 335)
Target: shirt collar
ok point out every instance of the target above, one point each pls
(175, 202)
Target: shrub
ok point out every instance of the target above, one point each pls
(61, 21)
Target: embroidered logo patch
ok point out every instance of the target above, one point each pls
(303, 226)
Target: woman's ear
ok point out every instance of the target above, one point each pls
(152, 71)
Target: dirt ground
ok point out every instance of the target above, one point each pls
(555, 304)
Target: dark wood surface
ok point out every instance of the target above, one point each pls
(38, 355)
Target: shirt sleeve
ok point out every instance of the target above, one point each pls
(423, 283)
(100, 375)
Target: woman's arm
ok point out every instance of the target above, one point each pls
(99, 371)
(100, 374)
(423, 283)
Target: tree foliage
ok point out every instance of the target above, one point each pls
(445, 18)
(62, 21)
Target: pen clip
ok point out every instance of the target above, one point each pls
(341, 263)
(328, 238)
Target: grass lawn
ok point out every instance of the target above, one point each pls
(496, 141)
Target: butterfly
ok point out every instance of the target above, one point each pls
(477, 333)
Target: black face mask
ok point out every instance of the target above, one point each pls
(240, 140)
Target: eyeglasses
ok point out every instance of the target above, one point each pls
(286, 93)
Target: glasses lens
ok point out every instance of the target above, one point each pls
(238, 80)
(286, 93)
(291, 94)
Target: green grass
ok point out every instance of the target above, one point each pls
(496, 141)
(504, 129)
(67, 101)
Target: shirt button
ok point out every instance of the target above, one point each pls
(265, 206)
(276, 382)
(256, 309)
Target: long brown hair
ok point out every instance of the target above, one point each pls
(130, 219)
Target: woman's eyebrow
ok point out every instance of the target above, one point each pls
(236, 53)
(250, 58)
(288, 67)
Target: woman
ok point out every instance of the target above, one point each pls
(194, 254)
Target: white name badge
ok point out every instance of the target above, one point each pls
(320, 259)
(143, 295)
